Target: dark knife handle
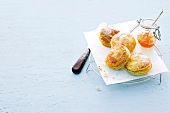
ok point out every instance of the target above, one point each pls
(77, 67)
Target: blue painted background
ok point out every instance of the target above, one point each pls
(40, 40)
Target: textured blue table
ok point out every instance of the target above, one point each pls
(40, 40)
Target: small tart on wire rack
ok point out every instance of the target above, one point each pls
(117, 57)
(138, 64)
(106, 35)
(125, 39)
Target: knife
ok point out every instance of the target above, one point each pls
(77, 67)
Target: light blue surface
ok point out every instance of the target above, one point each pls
(40, 40)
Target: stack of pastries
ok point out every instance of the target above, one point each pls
(122, 45)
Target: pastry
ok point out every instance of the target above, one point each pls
(138, 64)
(117, 57)
(106, 34)
(125, 39)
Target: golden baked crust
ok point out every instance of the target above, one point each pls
(141, 72)
(125, 39)
(106, 34)
(117, 57)
(138, 64)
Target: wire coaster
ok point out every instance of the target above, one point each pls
(92, 67)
